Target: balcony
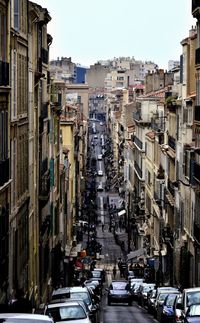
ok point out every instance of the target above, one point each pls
(44, 186)
(4, 73)
(45, 56)
(138, 169)
(195, 8)
(172, 142)
(197, 113)
(4, 171)
(138, 142)
(197, 56)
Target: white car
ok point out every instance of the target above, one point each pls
(67, 312)
(100, 172)
(100, 187)
(101, 123)
(99, 157)
(22, 317)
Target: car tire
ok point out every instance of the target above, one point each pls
(109, 302)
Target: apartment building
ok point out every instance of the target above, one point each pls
(5, 176)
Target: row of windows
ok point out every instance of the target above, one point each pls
(3, 131)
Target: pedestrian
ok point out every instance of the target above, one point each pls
(21, 304)
(114, 272)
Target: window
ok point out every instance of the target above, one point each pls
(3, 130)
(3, 23)
(16, 14)
(14, 85)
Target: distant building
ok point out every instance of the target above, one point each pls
(63, 69)
(96, 74)
(172, 64)
(80, 74)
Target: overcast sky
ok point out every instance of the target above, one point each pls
(91, 30)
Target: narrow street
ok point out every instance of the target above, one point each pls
(111, 251)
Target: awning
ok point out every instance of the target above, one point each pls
(122, 212)
(171, 154)
(170, 199)
(135, 254)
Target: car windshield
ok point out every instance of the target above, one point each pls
(194, 310)
(193, 298)
(162, 296)
(66, 313)
(81, 295)
(96, 274)
(119, 285)
(170, 299)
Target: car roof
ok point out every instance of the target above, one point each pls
(64, 304)
(169, 292)
(26, 316)
(64, 290)
(194, 289)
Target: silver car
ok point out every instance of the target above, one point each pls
(28, 318)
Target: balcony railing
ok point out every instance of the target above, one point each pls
(4, 73)
(172, 142)
(197, 113)
(45, 58)
(138, 142)
(4, 171)
(138, 169)
(197, 56)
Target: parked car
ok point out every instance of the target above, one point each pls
(100, 186)
(69, 300)
(167, 313)
(100, 173)
(77, 292)
(67, 311)
(190, 296)
(99, 157)
(28, 318)
(192, 314)
(118, 292)
(177, 312)
(160, 302)
(162, 290)
(151, 301)
(102, 273)
(94, 285)
(134, 289)
(143, 292)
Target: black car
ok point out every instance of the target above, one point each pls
(119, 292)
